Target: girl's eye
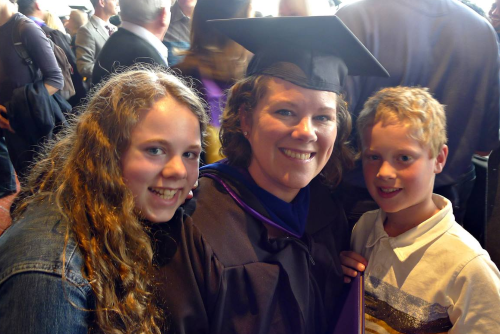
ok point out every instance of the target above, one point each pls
(155, 151)
(284, 112)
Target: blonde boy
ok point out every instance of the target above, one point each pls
(424, 272)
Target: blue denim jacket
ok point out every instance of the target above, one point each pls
(33, 296)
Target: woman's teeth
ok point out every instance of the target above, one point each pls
(295, 155)
(164, 193)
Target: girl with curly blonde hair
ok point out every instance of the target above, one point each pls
(79, 255)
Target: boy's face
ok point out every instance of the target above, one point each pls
(399, 171)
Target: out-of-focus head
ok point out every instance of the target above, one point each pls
(291, 99)
(303, 7)
(53, 22)
(413, 107)
(77, 18)
(494, 14)
(106, 8)
(27, 7)
(185, 3)
(144, 12)
(204, 36)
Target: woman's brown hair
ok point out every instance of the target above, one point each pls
(81, 172)
(244, 97)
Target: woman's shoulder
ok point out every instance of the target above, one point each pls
(37, 242)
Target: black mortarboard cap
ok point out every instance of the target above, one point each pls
(315, 52)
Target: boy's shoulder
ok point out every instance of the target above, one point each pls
(458, 243)
(368, 221)
(371, 222)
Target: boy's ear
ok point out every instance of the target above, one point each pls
(441, 159)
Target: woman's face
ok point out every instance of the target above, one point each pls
(292, 132)
(161, 164)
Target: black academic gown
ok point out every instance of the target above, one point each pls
(227, 276)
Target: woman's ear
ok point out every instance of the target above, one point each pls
(245, 119)
(441, 159)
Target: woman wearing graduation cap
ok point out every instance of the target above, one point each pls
(260, 254)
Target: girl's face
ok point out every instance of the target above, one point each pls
(161, 164)
(292, 132)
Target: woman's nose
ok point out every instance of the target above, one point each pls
(305, 130)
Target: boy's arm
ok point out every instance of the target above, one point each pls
(476, 298)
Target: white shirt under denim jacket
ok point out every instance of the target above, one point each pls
(435, 278)
(33, 296)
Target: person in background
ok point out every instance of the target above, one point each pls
(447, 47)
(116, 20)
(494, 15)
(260, 253)
(79, 256)
(304, 7)
(54, 22)
(91, 37)
(35, 10)
(23, 94)
(7, 174)
(215, 61)
(177, 37)
(77, 18)
(138, 40)
(423, 272)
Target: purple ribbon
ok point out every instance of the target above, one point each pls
(245, 206)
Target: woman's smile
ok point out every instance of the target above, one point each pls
(292, 132)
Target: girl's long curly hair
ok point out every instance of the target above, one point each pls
(81, 172)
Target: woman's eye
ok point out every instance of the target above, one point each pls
(284, 112)
(192, 155)
(155, 151)
(323, 118)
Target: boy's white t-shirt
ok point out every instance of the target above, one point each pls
(434, 278)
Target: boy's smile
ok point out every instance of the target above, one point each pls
(399, 172)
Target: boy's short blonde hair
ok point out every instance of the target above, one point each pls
(414, 107)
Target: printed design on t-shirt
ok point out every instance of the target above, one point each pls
(390, 310)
